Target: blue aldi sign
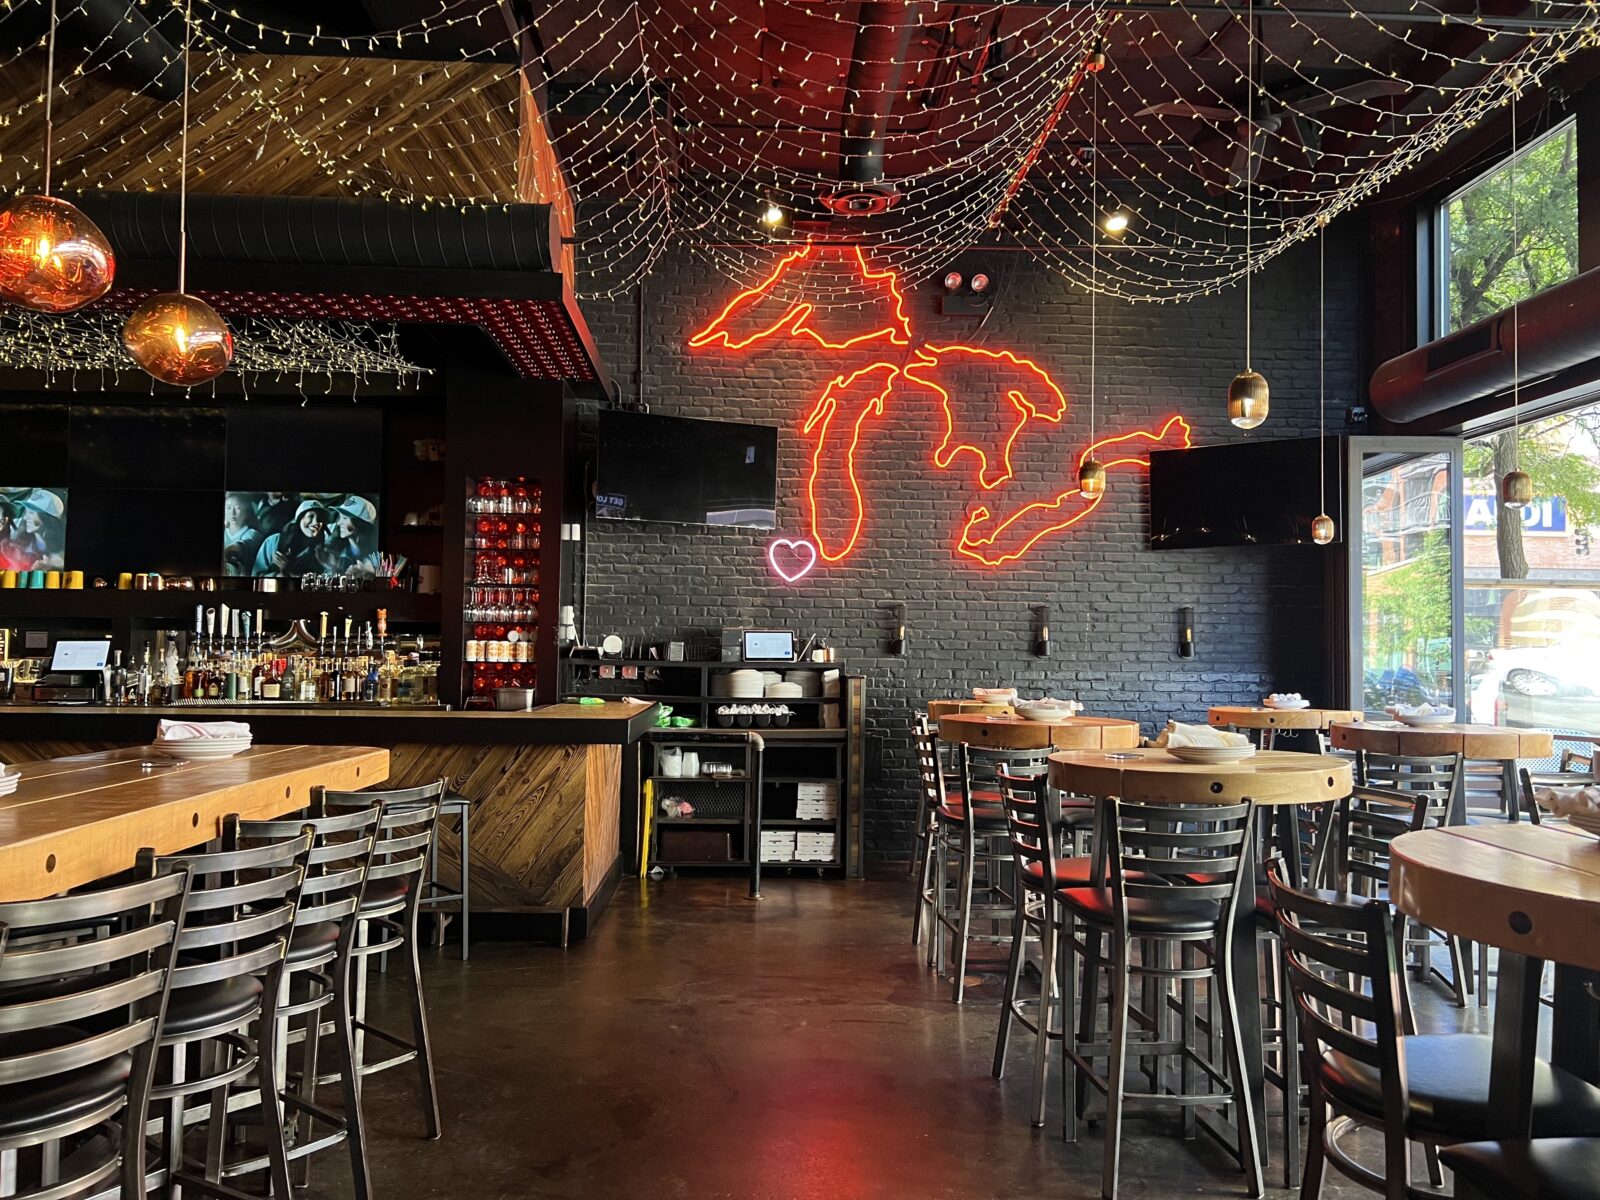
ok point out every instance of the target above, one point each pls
(1545, 515)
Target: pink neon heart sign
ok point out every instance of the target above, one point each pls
(791, 558)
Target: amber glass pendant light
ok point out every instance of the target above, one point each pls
(1322, 526)
(176, 337)
(53, 259)
(1091, 472)
(1516, 487)
(1248, 395)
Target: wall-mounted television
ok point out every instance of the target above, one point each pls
(1259, 493)
(686, 471)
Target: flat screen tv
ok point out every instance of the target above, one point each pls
(691, 472)
(1261, 493)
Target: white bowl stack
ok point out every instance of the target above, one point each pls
(809, 682)
(10, 777)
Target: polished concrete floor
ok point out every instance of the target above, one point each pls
(702, 1046)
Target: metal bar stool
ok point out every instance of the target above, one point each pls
(232, 951)
(436, 894)
(79, 1023)
(1177, 873)
(1033, 818)
(387, 921)
(318, 966)
(972, 836)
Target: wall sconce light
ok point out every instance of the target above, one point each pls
(898, 643)
(1186, 631)
(1041, 637)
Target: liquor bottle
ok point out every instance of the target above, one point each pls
(272, 681)
(369, 685)
(119, 680)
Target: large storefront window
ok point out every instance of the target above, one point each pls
(1406, 647)
(1533, 578)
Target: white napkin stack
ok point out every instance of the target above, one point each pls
(1178, 734)
(189, 731)
(1564, 801)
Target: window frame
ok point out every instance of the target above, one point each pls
(1438, 221)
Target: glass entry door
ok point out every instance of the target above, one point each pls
(1404, 539)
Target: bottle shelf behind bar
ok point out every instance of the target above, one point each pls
(501, 596)
(405, 608)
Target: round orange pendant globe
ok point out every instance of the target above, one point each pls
(179, 339)
(52, 258)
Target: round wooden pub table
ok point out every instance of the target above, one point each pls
(1268, 721)
(978, 708)
(1278, 780)
(1018, 733)
(1534, 892)
(1475, 743)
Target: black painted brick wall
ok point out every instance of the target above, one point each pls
(1258, 612)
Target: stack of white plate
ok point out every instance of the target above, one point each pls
(746, 685)
(1209, 755)
(768, 678)
(784, 691)
(1423, 720)
(810, 682)
(9, 778)
(204, 749)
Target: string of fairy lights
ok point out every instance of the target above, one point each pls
(682, 124)
(265, 348)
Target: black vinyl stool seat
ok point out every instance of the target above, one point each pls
(1557, 1168)
(1344, 971)
(77, 1060)
(387, 921)
(221, 1027)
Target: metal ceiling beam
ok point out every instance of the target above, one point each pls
(1276, 8)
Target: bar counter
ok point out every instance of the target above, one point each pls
(545, 786)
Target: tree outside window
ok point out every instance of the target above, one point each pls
(1485, 269)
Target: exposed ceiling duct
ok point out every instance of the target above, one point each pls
(1556, 332)
(876, 78)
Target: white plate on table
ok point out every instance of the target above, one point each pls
(1033, 712)
(1269, 702)
(995, 695)
(203, 749)
(9, 779)
(1422, 722)
(1210, 755)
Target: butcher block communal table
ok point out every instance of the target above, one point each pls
(1277, 780)
(74, 820)
(1533, 891)
(1020, 733)
(1475, 743)
(1270, 720)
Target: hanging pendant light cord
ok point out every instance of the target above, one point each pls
(183, 163)
(1249, 165)
(1322, 370)
(1516, 316)
(49, 96)
(1094, 248)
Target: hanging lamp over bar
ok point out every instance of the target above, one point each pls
(178, 338)
(1249, 397)
(53, 259)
